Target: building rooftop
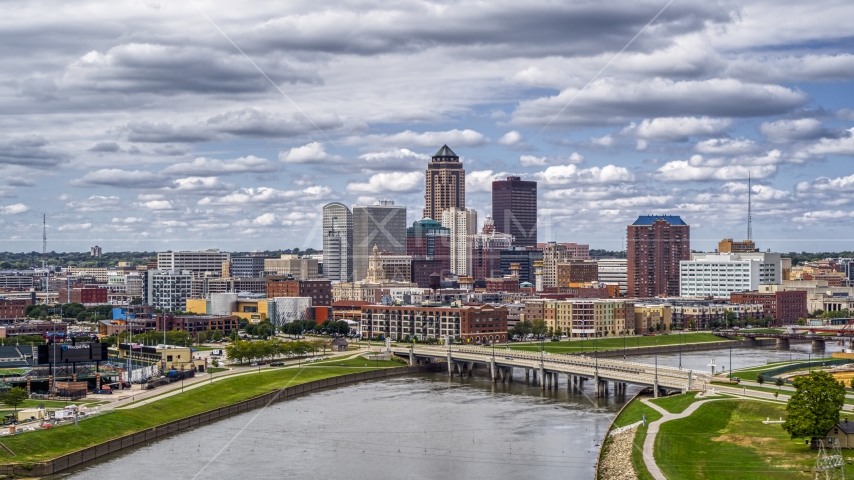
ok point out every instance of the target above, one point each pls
(445, 152)
(650, 219)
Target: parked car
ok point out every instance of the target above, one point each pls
(277, 364)
(102, 392)
(253, 364)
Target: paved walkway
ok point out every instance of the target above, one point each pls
(652, 432)
(149, 396)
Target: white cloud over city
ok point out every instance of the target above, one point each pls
(137, 124)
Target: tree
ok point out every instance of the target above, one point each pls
(814, 407)
(760, 379)
(801, 322)
(692, 324)
(523, 328)
(538, 327)
(558, 332)
(852, 383)
(779, 382)
(214, 362)
(15, 397)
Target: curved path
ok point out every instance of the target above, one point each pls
(652, 432)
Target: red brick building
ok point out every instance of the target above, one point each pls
(200, 323)
(784, 307)
(320, 291)
(14, 307)
(655, 246)
(84, 295)
(505, 284)
(33, 327)
(474, 324)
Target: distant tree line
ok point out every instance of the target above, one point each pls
(70, 312)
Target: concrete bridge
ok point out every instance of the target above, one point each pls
(783, 339)
(578, 369)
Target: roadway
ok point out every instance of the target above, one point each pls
(600, 369)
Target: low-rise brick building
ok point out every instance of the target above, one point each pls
(14, 307)
(785, 307)
(320, 291)
(474, 324)
(200, 323)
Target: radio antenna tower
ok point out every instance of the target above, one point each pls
(749, 218)
(44, 240)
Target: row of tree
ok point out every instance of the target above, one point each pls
(241, 351)
(70, 312)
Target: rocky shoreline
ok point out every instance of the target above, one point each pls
(616, 462)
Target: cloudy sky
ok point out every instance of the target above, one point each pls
(155, 125)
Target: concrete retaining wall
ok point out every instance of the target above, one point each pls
(76, 458)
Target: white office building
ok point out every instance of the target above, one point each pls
(770, 265)
(197, 263)
(167, 290)
(463, 224)
(719, 275)
(614, 271)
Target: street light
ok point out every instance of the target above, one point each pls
(680, 349)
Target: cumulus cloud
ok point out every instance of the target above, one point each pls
(570, 174)
(15, 209)
(453, 138)
(157, 205)
(114, 177)
(392, 159)
(397, 182)
(785, 131)
(699, 169)
(75, 227)
(609, 101)
(533, 161)
(202, 166)
(313, 153)
(481, 181)
(105, 147)
(677, 129)
(824, 184)
(726, 146)
(95, 203)
(199, 185)
(267, 195)
(829, 146)
(31, 151)
(20, 182)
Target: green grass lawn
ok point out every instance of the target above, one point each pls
(212, 370)
(751, 372)
(360, 362)
(634, 412)
(678, 403)
(727, 440)
(616, 343)
(46, 444)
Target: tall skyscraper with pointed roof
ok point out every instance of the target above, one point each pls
(445, 184)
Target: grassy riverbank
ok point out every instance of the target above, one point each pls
(727, 440)
(46, 444)
(616, 343)
(635, 412)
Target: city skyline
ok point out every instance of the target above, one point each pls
(167, 137)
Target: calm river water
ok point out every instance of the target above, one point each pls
(417, 427)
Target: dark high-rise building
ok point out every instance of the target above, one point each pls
(383, 225)
(514, 209)
(525, 258)
(428, 240)
(445, 182)
(656, 244)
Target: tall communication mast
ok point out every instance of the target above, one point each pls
(749, 218)
(44, 240)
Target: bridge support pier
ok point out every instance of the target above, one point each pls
(450, 365)
(527, 374)
(690, 380)
(597, 386)
(510, 374)
(818, 345)
(492, 371)
(412, 360)
(655, 388)
(542, 377)
(750, 342)
(782, 344)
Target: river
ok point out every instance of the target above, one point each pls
(415, 427)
